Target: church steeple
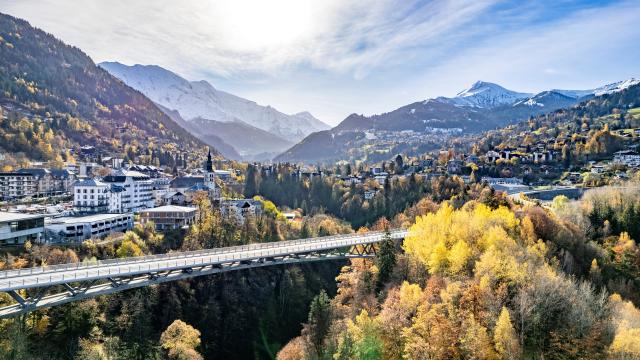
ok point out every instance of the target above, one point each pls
(209, 166)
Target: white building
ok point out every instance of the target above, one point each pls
(241, 209)
(501, 181)
(122, 192)
(78, 229)
(16, 229)
(132, 191)
(91, 196)
(627, 157)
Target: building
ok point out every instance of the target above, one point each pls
(501, 181)
(14, 185)
(241, 209)
(134, 190)
(627, 157)
(160, 189)
(16, 229)
(174, 198)
(169, 217)
(122, 192)
(78, 229)
(50, 182)
(454, 166)
(183, 183)
(91, 196)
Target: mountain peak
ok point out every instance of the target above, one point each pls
(485, 94)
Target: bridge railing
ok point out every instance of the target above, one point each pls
(185, 254)
(133, 268)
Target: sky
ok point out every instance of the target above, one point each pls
(337, 57)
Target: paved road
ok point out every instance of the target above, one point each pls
(81, 272)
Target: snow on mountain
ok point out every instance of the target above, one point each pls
(487, 95)
(199, 99)
(615, 87)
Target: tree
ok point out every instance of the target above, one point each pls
(319, 321)
(180, 340)
(386, 259)
(251, 182)
(505, 337)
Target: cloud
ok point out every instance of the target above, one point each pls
(236, 36)
(334, 57)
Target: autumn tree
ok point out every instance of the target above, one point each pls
(180, 340)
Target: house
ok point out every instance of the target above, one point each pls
(16, 229)
(349, 180)
(492, 156)
(159, 189)
(174, 198)
(574, 177)
(370, 194)
(224, 175)
(501, 181)
(382, 178)
(241, 209)
(81, 228)
(597, 169)
(627, 157)
(169, 217)
(454, 166)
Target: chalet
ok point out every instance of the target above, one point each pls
(241, 209)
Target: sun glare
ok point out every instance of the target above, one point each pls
(251, 25)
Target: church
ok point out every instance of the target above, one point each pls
(190, 184)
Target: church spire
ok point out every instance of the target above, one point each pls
(209, 166)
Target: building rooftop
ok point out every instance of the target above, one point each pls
(170, 208)
(88, 218)
(7, 216)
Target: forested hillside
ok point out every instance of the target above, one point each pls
(491, 282)
(53, 97)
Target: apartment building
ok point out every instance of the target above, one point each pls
(78, 229)
(14, 185)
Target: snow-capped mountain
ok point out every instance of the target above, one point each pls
(199, 99)
(486, 95)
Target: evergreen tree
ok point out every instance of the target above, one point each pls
(386, 259)
(320, 317)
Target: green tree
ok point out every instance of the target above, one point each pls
(386, 259)
(320, 316)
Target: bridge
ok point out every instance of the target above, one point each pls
(40, 287)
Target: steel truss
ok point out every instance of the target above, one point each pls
(74, 291)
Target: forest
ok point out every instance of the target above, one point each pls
(492, 282)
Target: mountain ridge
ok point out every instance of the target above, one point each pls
(483, 106)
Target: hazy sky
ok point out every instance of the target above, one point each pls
(336, 57)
